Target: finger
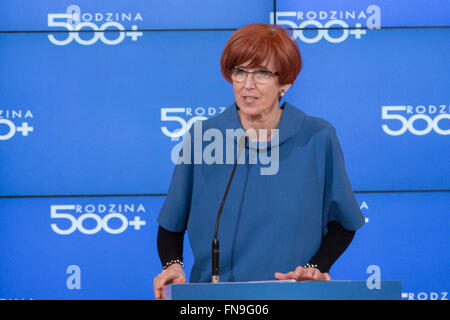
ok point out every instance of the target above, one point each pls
(324, 277)
(305, 274)
(313, 274)
(160, 282)
(310, 273)
(298, 272)
(159, 294)
(283, 276)
(301, 274)
(176, 280)
(164, 278)
(159, 291)
(280, 276)
(290, 275)
(299, 269)
(319, 276)
(155, 287)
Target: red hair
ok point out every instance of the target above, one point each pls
(257, 44)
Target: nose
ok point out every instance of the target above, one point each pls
(249, 82)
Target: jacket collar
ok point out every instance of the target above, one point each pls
(290, 123)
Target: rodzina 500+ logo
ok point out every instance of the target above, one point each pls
(92, 218)
(13, 122)
(101, 25)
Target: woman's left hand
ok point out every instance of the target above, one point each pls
(303, 274)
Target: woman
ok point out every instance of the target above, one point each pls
(293, 224)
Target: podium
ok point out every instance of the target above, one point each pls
(284, 290)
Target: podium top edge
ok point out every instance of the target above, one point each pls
(288, 282)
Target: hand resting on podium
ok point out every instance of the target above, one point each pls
(173, 274)
(304, 274)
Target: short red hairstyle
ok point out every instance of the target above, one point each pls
(258, 43)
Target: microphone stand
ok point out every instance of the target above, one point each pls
(215, 241)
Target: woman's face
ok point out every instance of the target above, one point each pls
(254, 98)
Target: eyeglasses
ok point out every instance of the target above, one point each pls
(259, 76)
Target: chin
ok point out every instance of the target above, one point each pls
(252, 108)
(249, 110)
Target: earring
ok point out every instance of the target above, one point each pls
(282, 92)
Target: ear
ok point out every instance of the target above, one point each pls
(284, 88)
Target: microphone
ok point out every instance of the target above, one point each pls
(215, 241)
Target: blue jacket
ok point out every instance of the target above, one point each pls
(270, 223)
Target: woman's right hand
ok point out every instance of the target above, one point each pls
(173, 274)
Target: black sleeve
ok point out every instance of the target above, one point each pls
(333, 245)
(170, 245)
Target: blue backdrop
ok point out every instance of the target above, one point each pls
(88, 123)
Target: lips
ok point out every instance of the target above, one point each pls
(249, 98)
